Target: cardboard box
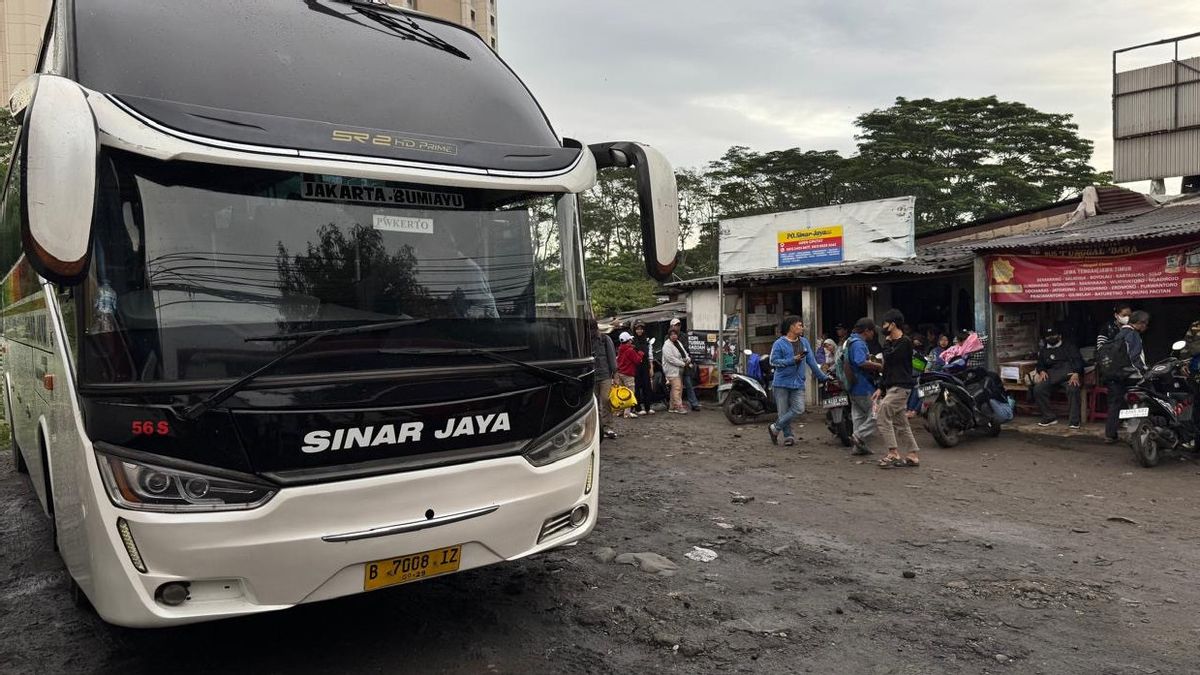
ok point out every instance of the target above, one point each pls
(1016, 371)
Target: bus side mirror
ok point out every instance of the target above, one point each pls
(58, 180)
(658, 199)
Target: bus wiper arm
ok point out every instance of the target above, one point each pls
(493, 354)
(194, 412)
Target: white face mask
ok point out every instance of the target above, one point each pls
(1123, 320)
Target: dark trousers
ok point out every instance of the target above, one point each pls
(1043, 390)
(1116, 403)
(642, 388)
(689, 389)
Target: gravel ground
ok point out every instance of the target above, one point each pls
(1023, 553)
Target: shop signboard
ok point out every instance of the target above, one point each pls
(811, 246)
(882, 229)
(1162, 273)
(703, 347)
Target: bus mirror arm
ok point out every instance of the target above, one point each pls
(58, 163)
(658, 200)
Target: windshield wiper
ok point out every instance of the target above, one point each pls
(193, 412)
(493, 354)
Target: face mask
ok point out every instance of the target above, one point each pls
(1123, 320)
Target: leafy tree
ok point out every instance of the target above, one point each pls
(746, 183)
(966, 159)
(8, 132)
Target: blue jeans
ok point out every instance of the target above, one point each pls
(689, 390)
(789, 403)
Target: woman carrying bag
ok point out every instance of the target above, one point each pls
(675, 361)
(629, 360)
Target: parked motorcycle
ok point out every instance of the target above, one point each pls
(957, 399)
(1161, 411)
(836, 403)
(746, 398)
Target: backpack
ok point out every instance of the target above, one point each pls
(1112, 359)
(843, 369)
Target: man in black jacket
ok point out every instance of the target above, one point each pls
(1058, 364)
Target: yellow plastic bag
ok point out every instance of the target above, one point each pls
(621, 397)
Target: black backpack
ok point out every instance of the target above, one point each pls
(1112, 359)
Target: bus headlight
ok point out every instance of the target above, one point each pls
(572, 437)
(147, 487)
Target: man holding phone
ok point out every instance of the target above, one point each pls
(789, 355)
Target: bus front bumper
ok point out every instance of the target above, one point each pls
(311, 543)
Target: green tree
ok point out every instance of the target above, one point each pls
(747, 183)
(965, 159)
(9, 128)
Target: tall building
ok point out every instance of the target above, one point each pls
(478, 15)
(20, 40)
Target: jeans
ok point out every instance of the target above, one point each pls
(893, 423)
(860, 415)
(1043, 390)
(1116, 403)
(689, 387)
(789, 403)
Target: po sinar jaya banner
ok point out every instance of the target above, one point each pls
(1163, 273)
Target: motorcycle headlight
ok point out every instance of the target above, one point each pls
(147, 487)
(570, 438)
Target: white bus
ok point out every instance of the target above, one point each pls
(294, 304)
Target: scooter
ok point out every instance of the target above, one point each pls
(747, 398)
(958, 399)
(836, 403)
(1162, 411)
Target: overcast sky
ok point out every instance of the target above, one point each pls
(695, 77)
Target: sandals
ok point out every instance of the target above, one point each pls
(899, 463)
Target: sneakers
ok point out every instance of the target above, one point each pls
(1073, 427)
(789, 441)
(860, 448)
(774, 433)
(1047, 423)
(630, 414)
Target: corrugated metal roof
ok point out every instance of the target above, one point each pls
(1171, 220)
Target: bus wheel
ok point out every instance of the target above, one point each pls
(78, 597)
(49, 493)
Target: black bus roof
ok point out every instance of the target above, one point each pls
(342, 76)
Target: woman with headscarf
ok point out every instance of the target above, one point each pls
(628, 360)
(825, 355)
(675, 359)
(642, 380)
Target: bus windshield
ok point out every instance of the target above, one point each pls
(196, 268)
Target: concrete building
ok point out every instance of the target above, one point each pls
(20, 39)
(478, 15)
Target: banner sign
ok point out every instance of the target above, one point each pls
(1163, 273)
(822, 245)
(882, 229)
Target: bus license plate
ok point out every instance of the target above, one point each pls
(1131, 413)
(392, 571)
(835, 401)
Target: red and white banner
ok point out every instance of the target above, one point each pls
(1163, 273)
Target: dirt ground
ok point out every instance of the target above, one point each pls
(1024, 553)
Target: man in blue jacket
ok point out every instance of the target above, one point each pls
(789, 355)
(862, 376)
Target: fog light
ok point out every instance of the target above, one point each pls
(172, 593)
(131, 548)
(578, 515)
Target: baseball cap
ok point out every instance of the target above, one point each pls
(626, 337)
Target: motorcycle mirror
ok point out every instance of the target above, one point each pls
(653, 340)
(1178, 346)
(747, 352)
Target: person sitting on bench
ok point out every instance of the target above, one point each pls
(1058, 364)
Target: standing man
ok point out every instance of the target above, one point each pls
(606, 377)
(861, 382)
(1130, 337)
(840, 335)
(893, 394)
(789, 355)
(689, 373)
(1121, 313)
(1058, 364)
